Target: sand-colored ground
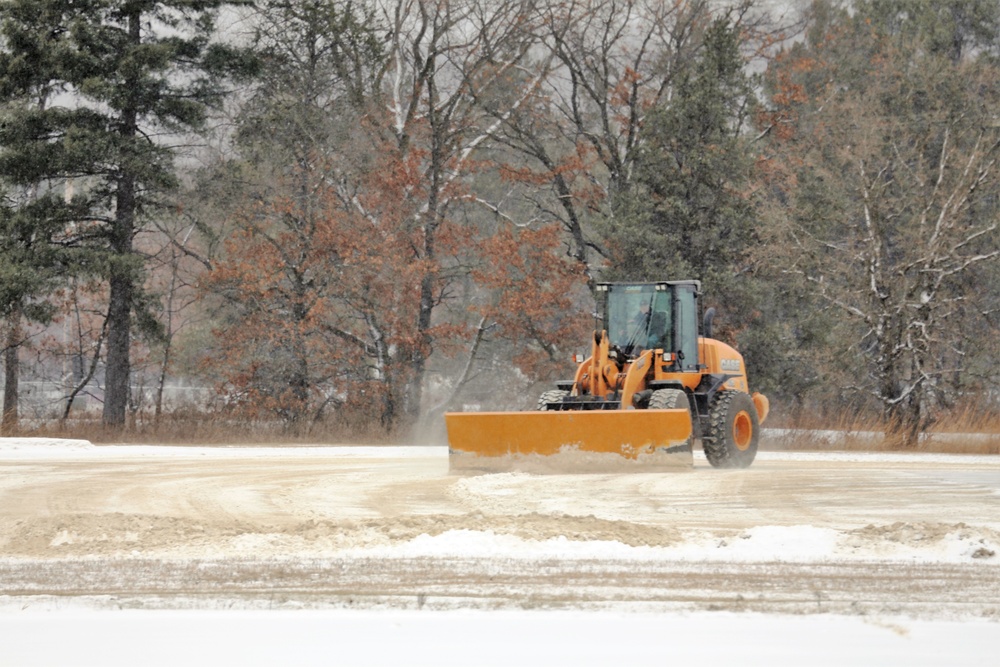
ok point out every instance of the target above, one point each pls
(391, 527)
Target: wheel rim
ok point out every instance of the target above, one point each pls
(742, 430)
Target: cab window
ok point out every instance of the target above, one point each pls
(639, 318)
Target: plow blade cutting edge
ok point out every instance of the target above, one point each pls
(564, 441)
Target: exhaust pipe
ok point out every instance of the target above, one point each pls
(709, 317)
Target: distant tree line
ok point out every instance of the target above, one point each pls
(367, 212)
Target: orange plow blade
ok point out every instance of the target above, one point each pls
(569, 441)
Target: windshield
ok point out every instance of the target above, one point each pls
(638, 318)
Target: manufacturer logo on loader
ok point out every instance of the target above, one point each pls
(730, 364)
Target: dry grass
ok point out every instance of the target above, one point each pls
(875, 441)
(969, 419)
(972, 430)
(968, 431)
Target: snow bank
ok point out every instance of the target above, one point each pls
(43, 447)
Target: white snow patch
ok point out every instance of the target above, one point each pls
(50, 448)
(780, 544)
(40, 447)
(443, 638)
(833, 439)
(768, 543)
(54, 448)
(487, 544)
(878, 457)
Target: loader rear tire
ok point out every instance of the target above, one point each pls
(671, 399)
(551, 396)
(733, 431)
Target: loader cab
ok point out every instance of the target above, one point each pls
(647, 316)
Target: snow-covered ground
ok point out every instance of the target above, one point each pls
(377, 555)
(446, 639)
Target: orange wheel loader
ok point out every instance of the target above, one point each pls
(649, 387)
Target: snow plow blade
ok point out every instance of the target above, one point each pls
(569, 441)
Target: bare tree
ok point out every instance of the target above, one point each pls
(608, 63)
(445, 58)
(894, 211)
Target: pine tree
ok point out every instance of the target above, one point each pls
(31, 212)
(128, 72)
(690, 215)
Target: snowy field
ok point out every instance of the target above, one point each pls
(377, 555)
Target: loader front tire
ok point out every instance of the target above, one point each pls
(733, 431)
(551, 396)
(671, 399)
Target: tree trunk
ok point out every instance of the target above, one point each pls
(118, 371)
(122, 280)
(415, 388)
(903, 425)
(902, 402)
(162, 381)
(12, 346)
(299, 381)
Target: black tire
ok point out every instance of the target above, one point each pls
(672, 399)
(551, 396)
(733, 431)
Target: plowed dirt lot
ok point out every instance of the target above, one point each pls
(390, 527)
